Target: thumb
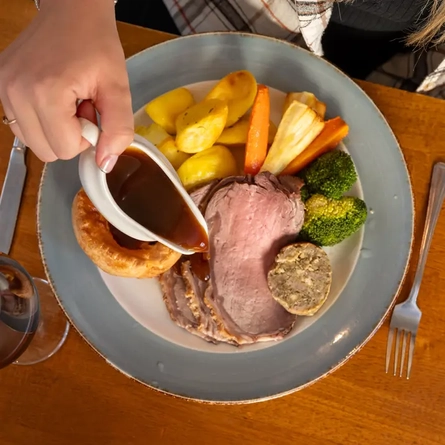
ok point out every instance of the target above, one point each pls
(113, 102)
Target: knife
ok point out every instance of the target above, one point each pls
(12, 194)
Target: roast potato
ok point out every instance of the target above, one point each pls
(216, 162)
(236, 135)
(201, 125)
(153, 133)
(239, 90)
(170, 151)
(164, 109)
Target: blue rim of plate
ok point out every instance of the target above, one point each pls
(203, 396)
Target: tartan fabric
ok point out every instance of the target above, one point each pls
(303, 22)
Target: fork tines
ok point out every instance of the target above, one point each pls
(397, 333)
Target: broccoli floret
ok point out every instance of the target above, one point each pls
(304, 193)
(331, 175)
(329, 221)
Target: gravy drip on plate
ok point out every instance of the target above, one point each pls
(146, 194)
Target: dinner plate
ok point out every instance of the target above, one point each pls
(125, 320)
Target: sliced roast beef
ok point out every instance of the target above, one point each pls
(292, 183)
(250, 219)
(183, 293)
(174, 291)
(200, 194)
(196, 289)
(248, 224)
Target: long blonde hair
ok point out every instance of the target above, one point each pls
(431, 30)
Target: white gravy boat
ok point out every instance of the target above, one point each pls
(94, 183)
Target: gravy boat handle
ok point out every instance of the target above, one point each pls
(91, 133)
(94, 182)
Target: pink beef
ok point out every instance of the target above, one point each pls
(250, 219)
(248, 224)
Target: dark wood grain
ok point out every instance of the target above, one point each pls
(76, 398)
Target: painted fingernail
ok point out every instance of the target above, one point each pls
(108, 163)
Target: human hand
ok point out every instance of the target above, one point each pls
(70, 51)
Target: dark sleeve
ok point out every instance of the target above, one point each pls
(358, 52)
(364, 34)
(147, 13)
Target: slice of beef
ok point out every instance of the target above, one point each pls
(174, 292)
(206, 193)
(196, 289)
(248, 224)
(183, 296)
(236, 337)
(235, 305)
(200, 194)
(292, 183)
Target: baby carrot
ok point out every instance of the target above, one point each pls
(258, 132)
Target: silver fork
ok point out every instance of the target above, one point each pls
(406, 316)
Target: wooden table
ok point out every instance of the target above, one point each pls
(76, 398)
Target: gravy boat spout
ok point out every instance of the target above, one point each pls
(95, 184)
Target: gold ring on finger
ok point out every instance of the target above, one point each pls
(7, 121)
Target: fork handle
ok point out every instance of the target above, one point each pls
(435, 200)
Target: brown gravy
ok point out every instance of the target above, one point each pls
(145, 193)
(124, 240)
(200, 266)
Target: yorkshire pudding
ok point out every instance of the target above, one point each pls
(94, 235)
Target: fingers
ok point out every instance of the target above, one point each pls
(47, 121)
(53, 131)
(57, 116)
(47, 118)
(7, 109)
(30, 134)
(113, 103)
